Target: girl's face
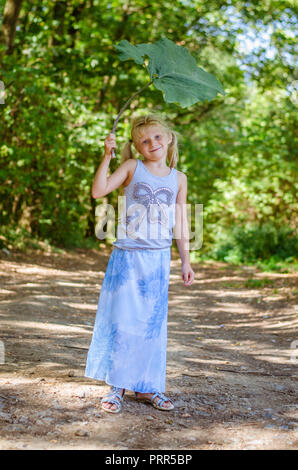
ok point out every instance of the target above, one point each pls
(153, 142)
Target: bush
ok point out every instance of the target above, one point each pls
(256, 243)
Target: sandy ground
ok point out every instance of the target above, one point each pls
(231, 370)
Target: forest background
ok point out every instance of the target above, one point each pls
(63, 85)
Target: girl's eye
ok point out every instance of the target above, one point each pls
(145, 142)
(157, 136)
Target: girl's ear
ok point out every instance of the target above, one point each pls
(170, 139)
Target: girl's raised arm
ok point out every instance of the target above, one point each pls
(103, 184)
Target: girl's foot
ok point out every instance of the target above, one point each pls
(160, 401)
(112, 402)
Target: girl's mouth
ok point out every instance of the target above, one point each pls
(154, 150)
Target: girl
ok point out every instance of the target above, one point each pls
(128, 347)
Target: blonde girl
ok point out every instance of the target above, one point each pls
(128, 346)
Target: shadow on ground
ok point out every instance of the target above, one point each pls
(231, 367)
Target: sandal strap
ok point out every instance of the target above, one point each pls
(117, 389)
(112, 395)
(162, 399)
(154, 396)
(111, 400)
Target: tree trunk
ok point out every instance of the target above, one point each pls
(10, 17)
(90, 231)
(59, 12)
(76, 14)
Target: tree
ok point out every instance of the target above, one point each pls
(68, 86)
(10, 18)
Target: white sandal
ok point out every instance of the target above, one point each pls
(159, 403)
(114, 397)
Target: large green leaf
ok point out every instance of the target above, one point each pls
(174, 71)
(128, 51)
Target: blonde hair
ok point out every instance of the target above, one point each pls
(137, 125)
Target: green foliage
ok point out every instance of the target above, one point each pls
(259, 283)
(256, 243)
(65, 84)
(173, 71)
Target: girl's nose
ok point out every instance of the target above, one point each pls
(152, 142)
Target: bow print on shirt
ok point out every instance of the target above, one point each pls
(148, 197)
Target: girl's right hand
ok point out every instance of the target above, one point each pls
(110, 143)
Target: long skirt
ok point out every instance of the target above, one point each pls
(129, 342)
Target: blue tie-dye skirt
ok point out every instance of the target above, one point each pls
(129, 342)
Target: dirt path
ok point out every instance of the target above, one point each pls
(231, 370)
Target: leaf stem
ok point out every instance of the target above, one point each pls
(127, 103)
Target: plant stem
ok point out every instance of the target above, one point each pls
(127, 103)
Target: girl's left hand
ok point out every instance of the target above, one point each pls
(187, 274)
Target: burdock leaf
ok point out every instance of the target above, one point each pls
(174, 71)
(128, 51)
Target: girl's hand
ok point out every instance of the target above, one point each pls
(187, 274)
(110, 143)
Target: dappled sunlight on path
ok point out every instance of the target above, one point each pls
(231, 369)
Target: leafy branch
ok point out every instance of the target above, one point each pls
(173, 71)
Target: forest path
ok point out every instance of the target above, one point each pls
(231, 364)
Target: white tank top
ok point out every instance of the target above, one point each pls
(148, 214)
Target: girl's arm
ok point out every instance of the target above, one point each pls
(182, 232)
(103, 184)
